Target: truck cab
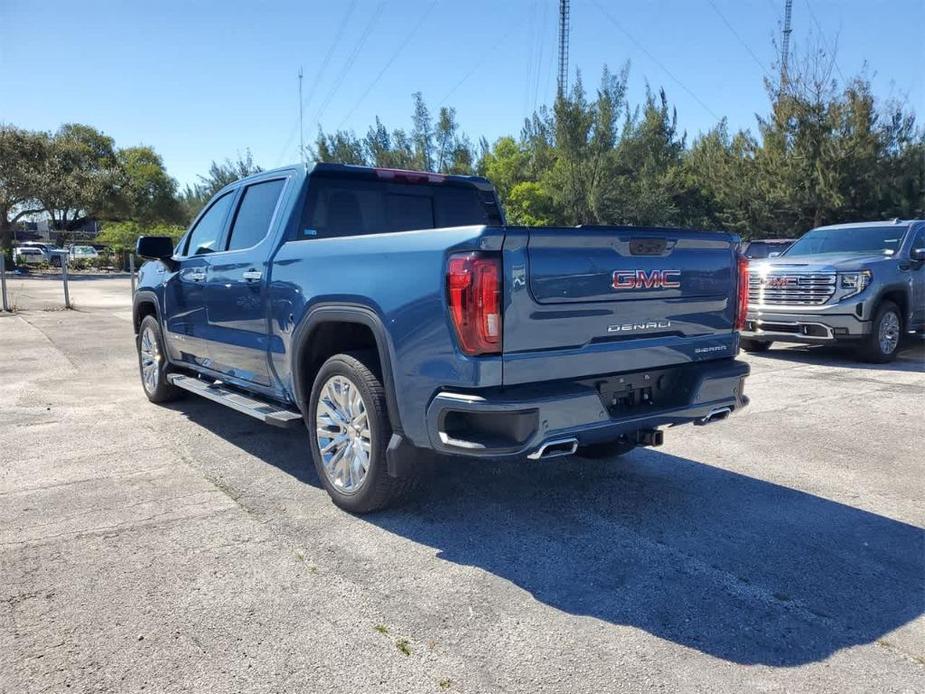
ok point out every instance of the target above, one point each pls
(858, 284)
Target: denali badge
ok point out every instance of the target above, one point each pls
(640, 279)
(630, 327)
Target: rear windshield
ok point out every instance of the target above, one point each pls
(351, 206)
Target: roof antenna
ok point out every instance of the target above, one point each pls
(301, 129)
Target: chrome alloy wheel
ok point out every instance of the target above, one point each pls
(889, 332)
(150, 360)
(342, 428)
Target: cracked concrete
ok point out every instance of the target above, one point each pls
(186, 548)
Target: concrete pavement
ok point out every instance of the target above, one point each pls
(188, 547)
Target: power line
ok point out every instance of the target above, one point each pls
(736, 34)
(539, 63)
(822, 34)
(319, 73)
(481, 61)
(351, 59)
(401, 47)
(655, 60)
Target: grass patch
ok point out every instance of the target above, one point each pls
(403, 646)
(445, 683)
(381, 628)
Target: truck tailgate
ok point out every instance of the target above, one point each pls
(608, 299)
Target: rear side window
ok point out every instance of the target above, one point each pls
(351, 206)
(252, 221)
(208, 230)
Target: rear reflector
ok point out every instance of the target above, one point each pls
(473, 283)
(742, 292)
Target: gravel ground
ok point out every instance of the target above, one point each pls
(190, 548)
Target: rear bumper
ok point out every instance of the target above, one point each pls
(517, 421)
(804, 327)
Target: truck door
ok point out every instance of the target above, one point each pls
(186, 325)
(236, 288)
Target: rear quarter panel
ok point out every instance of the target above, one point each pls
(401, 278)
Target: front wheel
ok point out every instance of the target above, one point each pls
(152, 362)
(349, 431)
(750, 345)
(882, 344)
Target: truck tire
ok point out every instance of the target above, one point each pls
(600, 451)
(152, 362)
(882, 344)
(750, 345)
(349, 428)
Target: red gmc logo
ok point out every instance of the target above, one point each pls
(773, 282)
(640, 279)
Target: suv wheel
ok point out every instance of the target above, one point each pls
(750, 345)
(152, 362)
(882, 344)
(349, 431)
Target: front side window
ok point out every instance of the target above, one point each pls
(208, 230)
(252, 222)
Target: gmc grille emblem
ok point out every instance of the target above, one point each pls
(640, 279)
(773, 282)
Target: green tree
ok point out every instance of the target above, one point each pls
(22, 155)
(148, 194)
(81, 177)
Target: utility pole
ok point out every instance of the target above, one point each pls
(785, 45)
(562, 85)
(301, 129)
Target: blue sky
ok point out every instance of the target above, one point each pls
(204, 80)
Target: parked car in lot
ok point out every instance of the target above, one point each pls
(29, 255)
(83, 253)
(395, 314)
(860, 283)
(766, 248)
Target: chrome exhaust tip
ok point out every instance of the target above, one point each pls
(555, 448)
(717, 415)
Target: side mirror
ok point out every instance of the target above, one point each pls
(917, 254)
(157, 247)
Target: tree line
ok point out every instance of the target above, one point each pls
(823, 153)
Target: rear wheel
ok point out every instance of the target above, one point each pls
(349, 431)
(152, 362)
(600, 451)
(750, 345)
(882, 344)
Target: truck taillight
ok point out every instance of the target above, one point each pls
(742, 293)
(473, 285)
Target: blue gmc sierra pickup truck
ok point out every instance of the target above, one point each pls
(396, 315)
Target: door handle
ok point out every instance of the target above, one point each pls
(197, 276)
(252, 275)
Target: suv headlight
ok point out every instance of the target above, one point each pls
(854, 282)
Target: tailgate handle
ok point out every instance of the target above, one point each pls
(648, 246)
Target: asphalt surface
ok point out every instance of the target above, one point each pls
(190, 548)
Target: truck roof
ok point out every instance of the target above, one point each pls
(884, 223)
(377, 172)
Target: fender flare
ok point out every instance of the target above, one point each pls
(144, 296)
(344, 313)
(894, 288)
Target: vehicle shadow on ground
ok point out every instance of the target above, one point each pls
(911, 357)
(733, 566)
